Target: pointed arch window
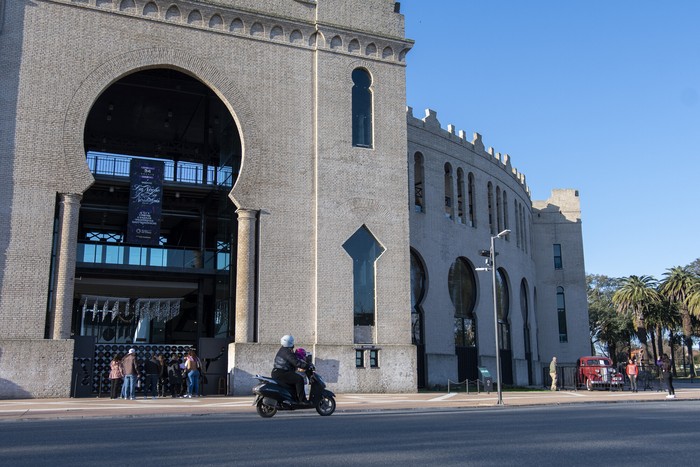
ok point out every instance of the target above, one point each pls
(418, 182)
(361, 108)
(472, 201)
(462, 288)
(364, 250)
(449, 196)
(492, 223)
(460, 197)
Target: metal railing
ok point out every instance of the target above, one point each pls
(164, 257)
(117, 165)
(467, 382)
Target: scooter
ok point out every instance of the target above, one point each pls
(271, 395)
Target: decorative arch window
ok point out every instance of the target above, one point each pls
(418, 182)
(460, 197)
(499, 210)
(525, 310)
(527, 345)
(561, 315)
(361, 108)
(492, 224)
(505, 213)
(516, 209)
(503, 308)
(472, 201)
(449, 211)
(418, 280)
(462, 287)
(364, 249)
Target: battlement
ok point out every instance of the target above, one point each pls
(431, 123)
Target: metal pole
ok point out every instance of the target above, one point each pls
(495, 321)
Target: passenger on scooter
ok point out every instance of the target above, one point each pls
(286, 363)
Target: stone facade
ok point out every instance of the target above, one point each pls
(283, 70)
(448, 164)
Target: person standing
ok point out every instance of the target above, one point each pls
(130, 368)
(115, 375)
(175, 376)
(192, 366)
(666, 368)
(152, 368)
(632, 372)
(163, 377)
(553, 373)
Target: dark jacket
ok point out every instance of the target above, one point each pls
(152, 367)
(286, 360)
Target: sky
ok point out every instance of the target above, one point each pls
(602, 96)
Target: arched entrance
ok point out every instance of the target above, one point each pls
(175, 284)
(462, 288)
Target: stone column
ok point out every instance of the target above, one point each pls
(65, 264)
(245, 276)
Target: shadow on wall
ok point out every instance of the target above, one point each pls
(11, 13)
(8, 389)
(243, 382)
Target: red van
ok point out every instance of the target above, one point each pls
(597, 372)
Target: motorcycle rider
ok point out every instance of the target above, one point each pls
(285, 366)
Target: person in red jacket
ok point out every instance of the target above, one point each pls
(632, 372)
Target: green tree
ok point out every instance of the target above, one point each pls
(610, 331)
(635, 296)
(677, 288)
(694, 267)
(661, 317)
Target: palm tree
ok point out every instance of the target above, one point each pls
(677, 288)
(636, 295)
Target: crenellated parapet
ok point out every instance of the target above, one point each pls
(295, 26)
(431, 123)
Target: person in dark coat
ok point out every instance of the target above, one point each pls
(175, 376)
(152, 367)
(666, 369)
(285, 366)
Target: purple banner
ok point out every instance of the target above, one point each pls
(145, 201)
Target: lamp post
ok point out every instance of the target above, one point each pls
(492, 260)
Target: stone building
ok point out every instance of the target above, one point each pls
(461, 195)
(218, 173)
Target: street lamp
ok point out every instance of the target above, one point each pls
(492, 261)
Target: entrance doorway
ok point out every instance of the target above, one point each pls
(177, 287)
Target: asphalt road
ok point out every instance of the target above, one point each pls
(588, 434)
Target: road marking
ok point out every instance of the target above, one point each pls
(449, 395)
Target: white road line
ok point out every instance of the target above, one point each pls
(449, 395)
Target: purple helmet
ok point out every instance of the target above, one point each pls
(300, 353)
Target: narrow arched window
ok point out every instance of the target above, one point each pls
(460, 197)
(418, 183)
(492, 224)
(561, 315)
(503, 308)
(472, 201)
(449, 199)
(418, 281)
(505, 213)
(361, 108)
(499, 210)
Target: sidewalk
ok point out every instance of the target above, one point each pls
(346, 403)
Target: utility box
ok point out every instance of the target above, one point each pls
(486, 379)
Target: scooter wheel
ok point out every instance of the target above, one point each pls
(264, 410)
(325, 406)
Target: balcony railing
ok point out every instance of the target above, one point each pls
(133, 255)
(117, 165)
